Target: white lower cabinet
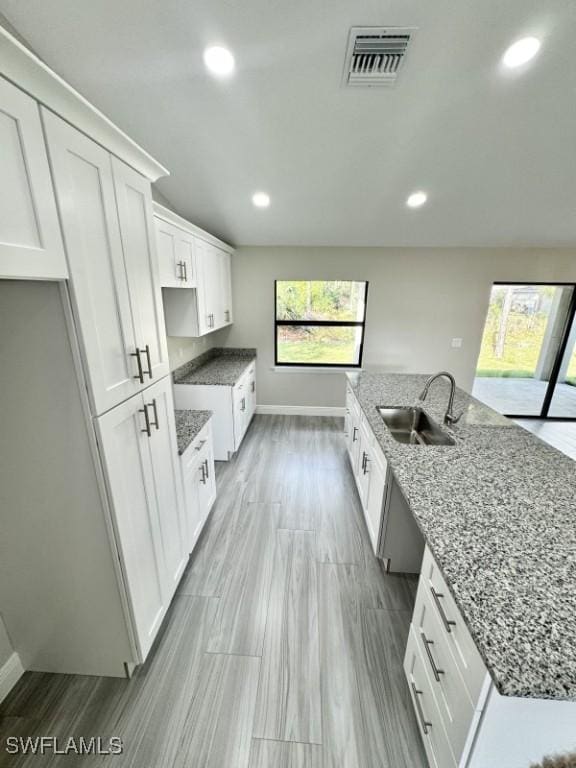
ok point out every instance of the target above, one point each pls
(369, 467)
(199, 483)
(233, 408)
(138, 446)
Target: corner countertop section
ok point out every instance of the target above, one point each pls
(498, 511)
(220, 366)
(188, 425)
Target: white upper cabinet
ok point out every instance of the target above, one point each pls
(175, 256)
(30, 240)
(134, 199)
(191, 258)
(85, 192)
(105, 208)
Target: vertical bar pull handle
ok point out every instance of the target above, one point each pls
(155, 409)
(185, 271)
(203, 478)
(147, 420)
(140, 374)
(206, 465)
(355, 431)
(146, 350)
(423, 722)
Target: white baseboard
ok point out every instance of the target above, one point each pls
(10, 673)
(300, 410)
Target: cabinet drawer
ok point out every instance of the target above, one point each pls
(452, 697)
(428, 716)
(454, 631)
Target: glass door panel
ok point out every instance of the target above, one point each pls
(524, 329)
(563, 403)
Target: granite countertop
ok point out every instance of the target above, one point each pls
(219, 366)
(188, 425)
(498, 511)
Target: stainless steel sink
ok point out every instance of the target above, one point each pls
(413, 426)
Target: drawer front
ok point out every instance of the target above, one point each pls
(453, 699)
(427, 714)
(190, 455)
(351, 402)
(455, 632)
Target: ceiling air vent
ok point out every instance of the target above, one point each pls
(375, 55)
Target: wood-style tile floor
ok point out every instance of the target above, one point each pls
(283, 647)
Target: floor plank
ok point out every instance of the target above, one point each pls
(283, 754)
(240, 621)
(218, 728)
(288, 704)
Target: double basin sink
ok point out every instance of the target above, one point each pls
(412, 426)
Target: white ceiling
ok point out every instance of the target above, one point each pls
(496, 151)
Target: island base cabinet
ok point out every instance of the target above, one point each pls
(464, 721)
(138, 446)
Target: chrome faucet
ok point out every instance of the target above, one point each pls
(449, 417)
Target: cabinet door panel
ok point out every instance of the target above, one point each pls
(85, 194)
(205, 269)
(126, 453)
(167, 479)
(134, 200)
(170, 275)
(185, 256)
(30, 240)
(226, 287)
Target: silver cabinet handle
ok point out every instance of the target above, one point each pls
(203, 478)
(423, 722)
(147, 420)
(227, 313)
(253, 386)
(366, 460)
(140, 374)
(427, 643)
(185, 271)
(363, 460)
(243, 406)
(354, 433)
(155, 409)
(147, 351)
(205, 462)
(180, 265)
(448, 623)
(200, 444)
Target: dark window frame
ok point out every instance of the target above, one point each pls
(319, 323)
(570, 318)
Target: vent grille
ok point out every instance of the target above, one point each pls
(375, 55)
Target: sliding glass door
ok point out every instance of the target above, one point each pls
(527, 362)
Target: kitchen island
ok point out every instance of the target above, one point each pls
(497, 513)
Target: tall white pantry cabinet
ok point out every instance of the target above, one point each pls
(93, 522)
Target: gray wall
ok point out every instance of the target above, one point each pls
(418, 300)
(5, 644)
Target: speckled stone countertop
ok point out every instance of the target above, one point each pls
(188, 425)
(222, 366)
(498, 511)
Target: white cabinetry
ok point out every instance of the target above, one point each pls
(232, 407)
(138, 444)
(199, 483)
(369, 467)
(464, 722)
(175, 256)
(106, 218)
(30, 240)
(191, 258)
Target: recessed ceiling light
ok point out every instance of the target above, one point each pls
(219, 60)
(521, 52)
(416, 199)
(261, 199)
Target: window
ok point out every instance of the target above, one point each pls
(320, 322)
